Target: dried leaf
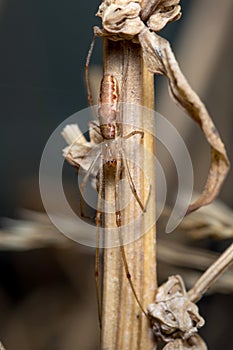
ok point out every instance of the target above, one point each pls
(166, 12)
(159, 58)
(94, 132)
(121, 17)
(193, 343)
(80, 153)
(173, 315)
(215, 221)
(72, 134)
(148, 7)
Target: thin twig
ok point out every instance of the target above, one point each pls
(211, 275)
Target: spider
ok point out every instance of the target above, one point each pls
(110, 156)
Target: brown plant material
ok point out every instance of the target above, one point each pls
(160, 59)
(121, 20)
(173, 315)
(211, 275)
(193, 343)
(215, 221)
(148, 7)
(166, 12)
(129, 328)
(79, 151)
(124, 63)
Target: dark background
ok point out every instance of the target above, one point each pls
(43, 47)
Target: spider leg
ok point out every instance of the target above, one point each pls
(133, 189)
(132, 133)
(84, 181)
(118, 222)
(98, 221)
(89, 94)
(131, 183)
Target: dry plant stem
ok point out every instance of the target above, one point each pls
(124, 326)
(211, 275)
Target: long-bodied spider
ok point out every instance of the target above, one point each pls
(111, 159)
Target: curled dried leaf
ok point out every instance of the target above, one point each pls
(193, 343)
(159, 58)
(166, 12)
(73, 134)
(173, 315)
(121, 17)
(80, 152)
(148, 7)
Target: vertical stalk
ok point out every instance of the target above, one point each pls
(124, 326)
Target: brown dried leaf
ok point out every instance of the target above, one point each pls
(173, 315)
(148, 7)
(215, 220)
(159, 58)
(72, 134)
(80, 153)
(193, 343)
(121, 17)
(166, 12)
(94, 132)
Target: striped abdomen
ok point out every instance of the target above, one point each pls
(107, 111)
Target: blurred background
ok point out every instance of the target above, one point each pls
(47, 296)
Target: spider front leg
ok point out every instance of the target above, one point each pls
(98, 221)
